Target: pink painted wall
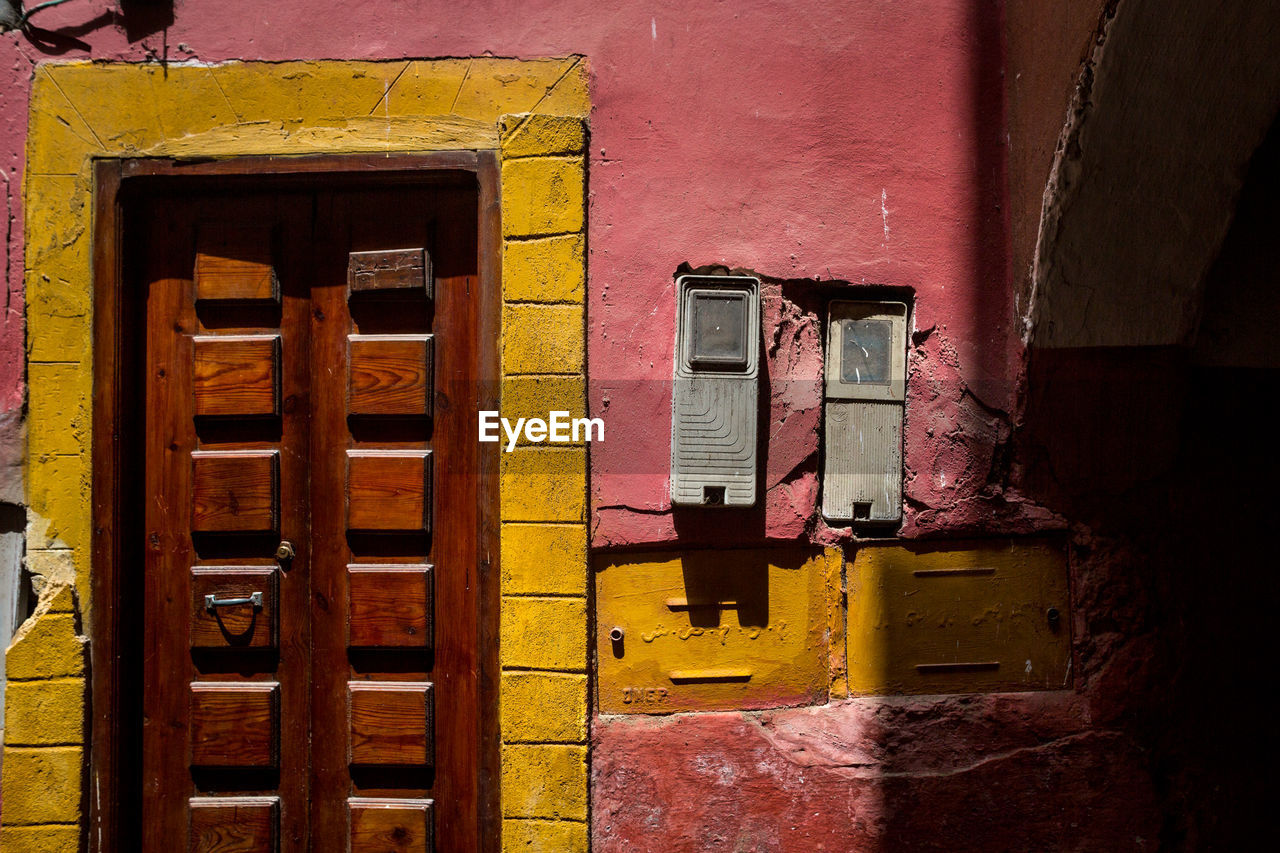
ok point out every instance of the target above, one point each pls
(858, 143)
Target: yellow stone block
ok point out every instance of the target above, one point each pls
(60, 337)
(544, 780)
(427, 87)
(544, 633)
(56, 210)
(542, 339)
(544, 484)
(544, 836)
(49, 648)
(44, 713)
(536, 397)
(571, 96)
(305, 93)
(42, 785)
(543, 195)
(116, 101)
(40, 839)
(545, 269)
(959, 618)
(544, 559)
(58, 408)
(64, 598)
(544, 707)
(496, 87)
(59, 490)
(541, 135)
(58, 140)
(712, 630)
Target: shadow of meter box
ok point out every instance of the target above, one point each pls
(959, 618)
(711, 630)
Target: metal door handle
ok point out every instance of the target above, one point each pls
(212, 601)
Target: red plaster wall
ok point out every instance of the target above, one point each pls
(858, 143)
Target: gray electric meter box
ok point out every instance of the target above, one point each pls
(864, 397)
(717, 371)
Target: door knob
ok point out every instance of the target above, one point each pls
(285, 550)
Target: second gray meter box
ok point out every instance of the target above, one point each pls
(717, 371)
(866, 383)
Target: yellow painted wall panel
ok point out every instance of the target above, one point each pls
(958, 618)
(536, 836)
(530, 396)
(57, 144)
(42, 785)
(544, 781)
(544, 707)
(545, 269)
(47, 648)
(544, 633)
(39, 713)
(40, 839)
(543, 195)
(59, 422)
(716, 629)
(57, 234)
(544, 559)
(120, 125)
(542, 135)
(495, 87)
(542, 339)
(57, 487)
(428, 87)
(305, 92)
(540, 483)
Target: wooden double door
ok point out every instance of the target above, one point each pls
(311, 675)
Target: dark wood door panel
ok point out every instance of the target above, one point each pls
(235, 724)
(312, 368)
(236, 263)
(390, 606)
(389, 490)
(234, 825)
(216, 624)
(390, 375)
(237, 375)
(390, 826)
(391, 723)
(235, 491)
(224, 687)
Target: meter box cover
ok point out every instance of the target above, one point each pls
(717, 368)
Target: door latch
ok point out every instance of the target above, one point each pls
(212, 601)
(285, 550)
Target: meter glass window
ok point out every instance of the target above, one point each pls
(719, 330)
(864, 355)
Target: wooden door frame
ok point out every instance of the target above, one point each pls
(116, 459)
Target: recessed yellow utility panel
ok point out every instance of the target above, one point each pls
(978, 617)
(712, 630)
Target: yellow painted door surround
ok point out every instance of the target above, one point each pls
(533, 113)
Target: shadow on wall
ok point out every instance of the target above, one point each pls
(137, 18)
(1168, 455)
